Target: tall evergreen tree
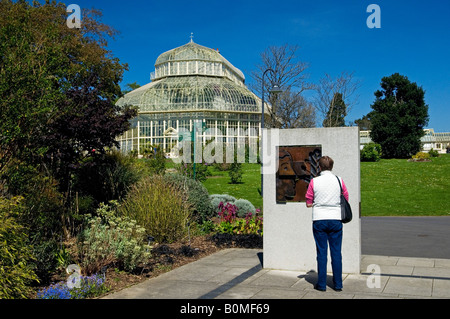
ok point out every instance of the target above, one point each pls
(336, 113)
(399, 116)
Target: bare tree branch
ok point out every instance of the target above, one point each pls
(328, 89)
(293, 111)
(289, 73)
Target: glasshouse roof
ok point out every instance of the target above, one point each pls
(192, 93)
(195, 52)
(193, 78)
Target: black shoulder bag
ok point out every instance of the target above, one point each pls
(346, 210)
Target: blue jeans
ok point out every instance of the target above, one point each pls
(328, 231)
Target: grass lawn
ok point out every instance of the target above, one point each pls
(400, 188)
(388, 188)
(249, 189)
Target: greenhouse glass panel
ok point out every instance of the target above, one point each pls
(192, 82)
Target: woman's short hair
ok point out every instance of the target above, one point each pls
(326, 163)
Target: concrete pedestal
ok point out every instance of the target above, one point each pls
(288, 238)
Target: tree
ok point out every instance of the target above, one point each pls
(336, 113)
(364, 123)
(399, 116)
(57, 87)
(131, 87)
(335, 98)
(57, 91)
(289, 109)
(294, 111)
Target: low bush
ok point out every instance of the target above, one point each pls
(197, 171)
(433, 153)
(195, 194)
(251, 224)
(230, 223)
(158, 206)
(155, 159)
(108, 176)
(371, 153)
(235, 172)
(421, 157)
(110, 239)
(244, 207)
(216, 199)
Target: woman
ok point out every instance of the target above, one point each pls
(323, 195)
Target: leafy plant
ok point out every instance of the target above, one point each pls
(228, 212)
(433, 153)
(244, 207)
(230, 223)
(421, 156)
(110, 239)
(195, 194)
(158, 206)
(90, 286)
(251, 224)
(188, 169)
(16, 272)
(371, 152)
(235, 172)
(155, 159)
(216, 199)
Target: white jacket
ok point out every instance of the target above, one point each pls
(325, 192)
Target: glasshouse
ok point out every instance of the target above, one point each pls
(193, 88)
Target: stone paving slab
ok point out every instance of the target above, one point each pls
(238, 274)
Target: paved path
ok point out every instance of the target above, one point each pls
(412, 256)
(238, 274)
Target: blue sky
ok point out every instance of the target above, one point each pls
(414, 39)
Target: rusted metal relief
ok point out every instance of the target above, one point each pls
(297, 166)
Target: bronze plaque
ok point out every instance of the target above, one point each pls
(297, 166)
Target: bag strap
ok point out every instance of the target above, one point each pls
(340, 184)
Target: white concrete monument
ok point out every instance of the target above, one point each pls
(288, 239)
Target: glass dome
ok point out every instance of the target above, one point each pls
(191, 83)
(193, 58)
(193, 93)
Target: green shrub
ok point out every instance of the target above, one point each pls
(216, 199)
(16, 273)
(110, 239)
(371, 152)
(251, 224)
(433, 153)
(244, 207)
(235, 173)
(108, 176)
(196, 194)
(154, 159)
(42, 200)
(187, 169)
(421, 156)
(158, 206)
(45, 262)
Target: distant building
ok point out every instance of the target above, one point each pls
(431, 140)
